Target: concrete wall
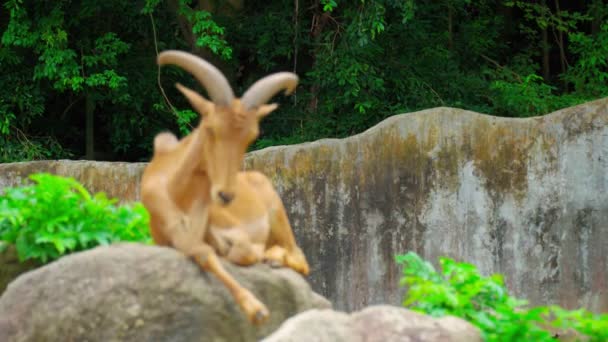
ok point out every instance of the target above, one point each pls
(523, 197)
(116, 179)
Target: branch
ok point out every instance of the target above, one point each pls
(160, 86)
(67, 109)
(296, 15)
(433, 91)
(517, 76)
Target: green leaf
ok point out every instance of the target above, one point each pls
(57, 216)
(459, 290)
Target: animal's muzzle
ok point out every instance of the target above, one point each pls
(226, 197)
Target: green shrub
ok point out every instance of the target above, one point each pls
(459, 290)
(57, 215)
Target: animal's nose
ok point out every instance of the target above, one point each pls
(226, 197)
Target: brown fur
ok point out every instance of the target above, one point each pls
(182, 189)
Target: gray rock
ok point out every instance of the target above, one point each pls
(130, 292)
(373, 324)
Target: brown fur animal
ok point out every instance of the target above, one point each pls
(199, 201)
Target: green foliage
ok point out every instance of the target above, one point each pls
(185, 119)
(528, 96)
(545, 17)
(57, 57)
(56, 216)
(70, 60)
(329, 5)
(459, 290)
(88, 64)
(207, 33)
(359, 62)
(590, 73)
(18, 147)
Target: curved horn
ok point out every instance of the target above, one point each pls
(263, 90)
(209, 76)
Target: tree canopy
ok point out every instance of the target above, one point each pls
(79, 78)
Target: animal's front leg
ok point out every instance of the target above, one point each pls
(277, 256)
(282, 248)
(169, 225)
(189, 230)
(255, 310)
(178, 182)
(182, 231)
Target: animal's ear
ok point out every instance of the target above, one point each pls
(264, 110)
(200, 104)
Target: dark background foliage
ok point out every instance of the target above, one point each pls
(79, 78)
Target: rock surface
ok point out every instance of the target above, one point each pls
(524, 197)
(11, 267)
(130, 292)
(117, 179)
(373, 324)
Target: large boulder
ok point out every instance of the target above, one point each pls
(130, 292)
(373, 324)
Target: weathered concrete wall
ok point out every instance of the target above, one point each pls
(524, 197)
(116, 179)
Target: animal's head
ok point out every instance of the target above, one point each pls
(229, 125)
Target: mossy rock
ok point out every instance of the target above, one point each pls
(11, 267)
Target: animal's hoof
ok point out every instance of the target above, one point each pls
(298, 263)
(304, 270)
(256, 311)
(261, 317)
(273, 263)
(275, 256)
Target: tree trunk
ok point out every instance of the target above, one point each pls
(450, 27)
(184, 25)
(226, 7)
(596, 22)
(560, 42)
(507, 13)
(296, 36)
(90, 125)
(320, 19)
(545, 47)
